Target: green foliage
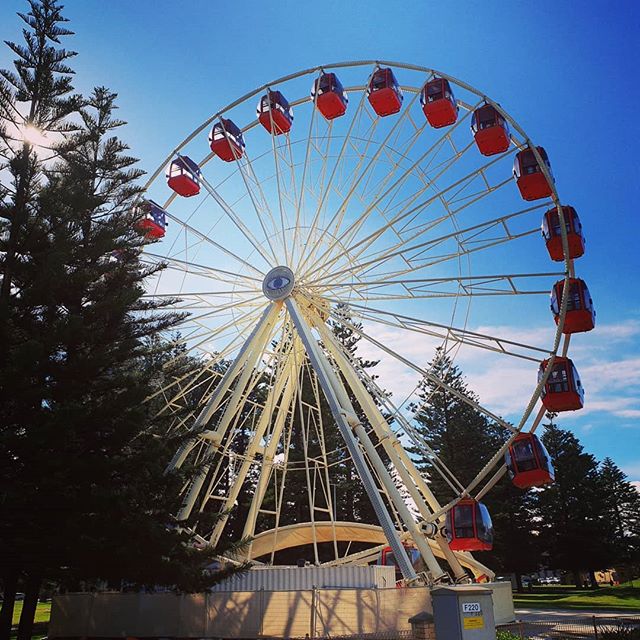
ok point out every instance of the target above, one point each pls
(569, 597)
(507, 635)
(85, 495)
(452, 428)
(620, 513)
(572, 527)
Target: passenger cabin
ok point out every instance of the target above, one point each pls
(490, 130)
(384, 93)
(388, 559)
(529, 177)
(183, 176)
(563, 390)
(274, 113)
(528, 462)
(329, 96)
(552, 233)
(153, 220)
(580, 315)
(468, 527)
(438, 103)
(226, 141)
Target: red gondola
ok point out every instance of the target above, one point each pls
(528, 462)
(552, 235)
(468, 527)
(153, 219)
(388, 559)
(183, 176)
(438, 103)
(563, 390)
(384, 93)
(490, 130)
(581, 315)
(529, 177)
(329, 96)
(226, 141)
(274, 113)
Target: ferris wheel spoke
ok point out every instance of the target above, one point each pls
(171, 260)
(326, 188)
(457, 335)
(237, 220)
(462, 286)
(470, 239)
(359, 174)
(406, 211)
(416, 167)
(300, 200)
(430, 376)
(185, 266)
(259, 201)
(431, 151)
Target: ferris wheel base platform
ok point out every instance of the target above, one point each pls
(250, 614)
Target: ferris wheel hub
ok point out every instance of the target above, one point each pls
(278, 283)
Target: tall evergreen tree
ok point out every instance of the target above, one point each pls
(353, 503)
(86, 496)
(516, 543)
(34, 100)
(621, 513)
(35, 97)
(571, 510)
(463, 438)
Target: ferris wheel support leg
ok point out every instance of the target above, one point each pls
(267, 319)
(269, 455)
(252, 449)
(254, 347)
(341, 410)
(392, 447)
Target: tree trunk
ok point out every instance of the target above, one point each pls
(31, 593)
(6, 613)
(577, 578)
(519, 587)
(592, 578)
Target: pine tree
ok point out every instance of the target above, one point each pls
(463, 438)
(516, 544)
(36, 97)
(353, 502)
(621, 513)
(571, 511)
(87, 495)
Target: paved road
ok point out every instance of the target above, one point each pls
(541, 615)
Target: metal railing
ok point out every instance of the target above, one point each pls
(574, 628)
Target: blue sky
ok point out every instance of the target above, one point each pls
(565, 70)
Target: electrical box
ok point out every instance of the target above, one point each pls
(463, 612)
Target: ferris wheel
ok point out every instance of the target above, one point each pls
(380, 196)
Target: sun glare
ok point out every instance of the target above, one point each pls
(34, 136)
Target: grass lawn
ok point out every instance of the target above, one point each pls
(41, 624)
(621, 598)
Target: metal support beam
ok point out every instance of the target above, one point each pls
(268, 317)
(344, 414)
(247, 358)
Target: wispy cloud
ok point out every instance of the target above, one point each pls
(610, 375)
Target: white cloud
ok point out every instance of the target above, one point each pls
(505, 384)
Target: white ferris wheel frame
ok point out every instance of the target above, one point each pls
(313, 303)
